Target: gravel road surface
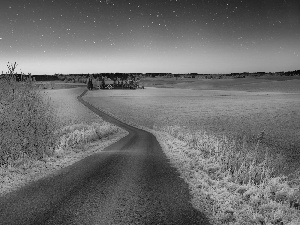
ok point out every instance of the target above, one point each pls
(130, 182)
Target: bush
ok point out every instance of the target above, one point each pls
(27, 122)
(61, 77)
(30, 128)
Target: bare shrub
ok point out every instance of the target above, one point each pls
(27, 122)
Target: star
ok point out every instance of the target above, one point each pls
(230, 25)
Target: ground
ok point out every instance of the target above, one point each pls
(69, 111)
(249, 108)
(224, 112)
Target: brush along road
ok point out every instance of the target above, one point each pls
(130, 182)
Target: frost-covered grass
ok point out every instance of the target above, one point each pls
(236, 179)
(27, 123)
(237, 114)
(79, 124)
(262, 84)
(50, 85)
(45, 131)
(232, 183)
(12, 178)
(67, 108)
(77, 135)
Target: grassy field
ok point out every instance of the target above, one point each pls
(262, 84)
(233, 113)
(50, 85)
(232, 147)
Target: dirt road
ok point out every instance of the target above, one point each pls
(130, 182)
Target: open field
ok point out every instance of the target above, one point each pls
(68, 108)
(230, 113)
(262, 84)
(58, 85)
(199, 131)
(231, 147)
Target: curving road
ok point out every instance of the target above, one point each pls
(130, 182)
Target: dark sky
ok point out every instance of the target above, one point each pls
(178, 36)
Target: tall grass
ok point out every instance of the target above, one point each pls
(77, 135)
(241, 182)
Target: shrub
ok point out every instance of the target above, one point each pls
(27, 122)
(61, 77)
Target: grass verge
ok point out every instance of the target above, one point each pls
(234, 180)
(38, 136)
(15, 177)
(230, 183)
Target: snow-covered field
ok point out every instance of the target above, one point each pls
(83, 133)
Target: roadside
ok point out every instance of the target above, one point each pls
(130, 182)
(16, 177)
(84, 134)
(202, 159)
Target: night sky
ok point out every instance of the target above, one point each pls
(177, 36)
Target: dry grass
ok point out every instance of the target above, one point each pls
(50, 85)
(262, 84)
(13, 178)
(229, 146)
(27, 123)
(231, 113)
(79, 133)
(68, 108)
(232, 185)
